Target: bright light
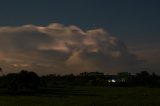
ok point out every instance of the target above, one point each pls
(113, 80)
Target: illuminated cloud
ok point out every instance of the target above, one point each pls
(61, 49)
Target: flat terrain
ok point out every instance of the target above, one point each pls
(86, 96)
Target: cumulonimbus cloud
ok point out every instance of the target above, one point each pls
(57, 48)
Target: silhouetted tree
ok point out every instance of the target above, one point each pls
(12, 82)
(25, 81)
(22, 82)
(28, 80)
(143, 78)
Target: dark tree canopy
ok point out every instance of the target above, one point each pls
(22, 81)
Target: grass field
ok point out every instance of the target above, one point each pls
(86, 96)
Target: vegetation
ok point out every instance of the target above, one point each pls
(123, 79)
(85, 89)
(25, 81)
(22, 82)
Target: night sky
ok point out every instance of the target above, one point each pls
(71, 34)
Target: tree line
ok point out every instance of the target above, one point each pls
(122, 79)
(26, 81)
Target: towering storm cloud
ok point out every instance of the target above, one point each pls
(61, 49)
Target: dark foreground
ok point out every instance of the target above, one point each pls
(86, 96)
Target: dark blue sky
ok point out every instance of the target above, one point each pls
(131, 20)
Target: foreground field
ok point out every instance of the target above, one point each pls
(86, 96)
